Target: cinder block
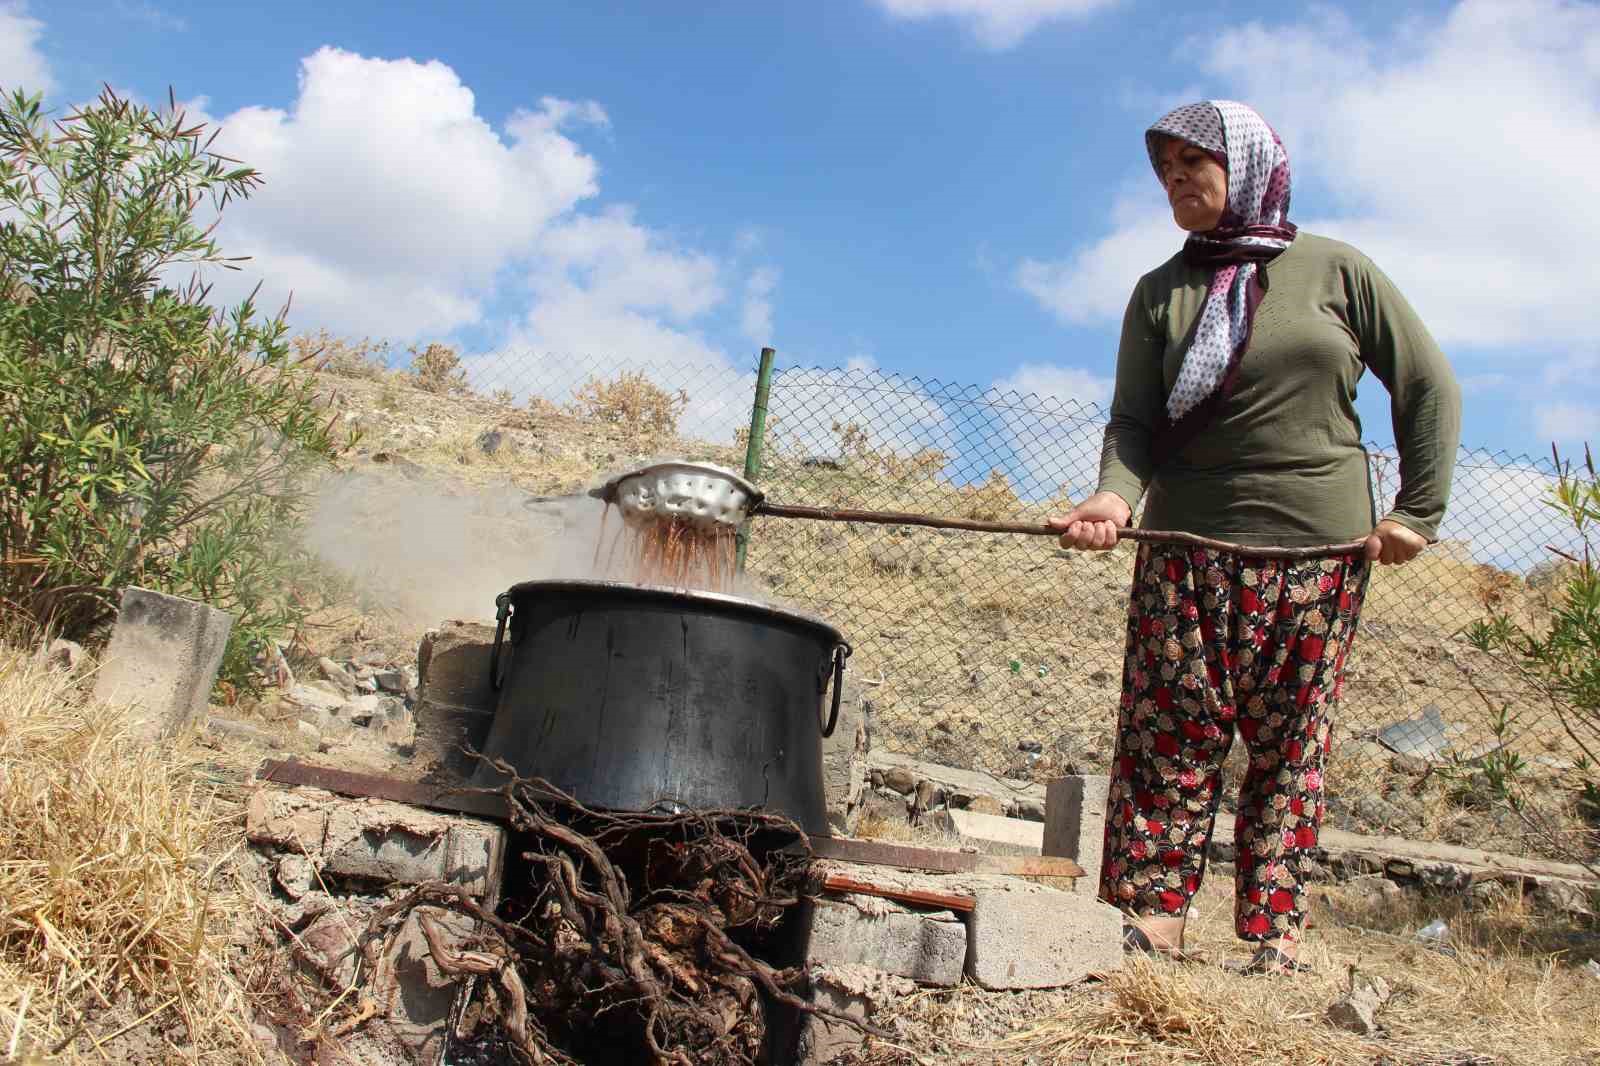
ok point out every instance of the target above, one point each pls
(455, 702)
(376, 840)
(1075, 823)
(1023, 935)
(162, 661)
(929, 947)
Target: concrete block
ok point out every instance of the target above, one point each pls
(376, 840)
(929, 947)
(991, 834)
(162, 661)
(1075, 822)
(854, 991)
(1023, 935)
(455, 703)
(844, 762)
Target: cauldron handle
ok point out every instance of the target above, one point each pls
(840, 654)
(502, 605)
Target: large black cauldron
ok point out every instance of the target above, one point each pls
(637, 697)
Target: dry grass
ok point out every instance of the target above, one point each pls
(1515, 993)
(115, 910)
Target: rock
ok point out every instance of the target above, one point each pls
(308, 733)
(243, 731)
(1031, 746)
(337, 676)
(392, 681)
(1560, 896)
(366, 686)
(986, 805)
(328, 947)
(1376, 812)
(363, 709)
(162, 661)
(62, 654)
(901, 779)
(1408, 764)
(490, 441)
(295, 875)
(1427, 736)
(1028, 808)
(1375, 890)
(1357, 1010)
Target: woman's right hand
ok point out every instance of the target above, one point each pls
(1093, 524)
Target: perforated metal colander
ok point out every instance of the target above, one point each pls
(701, 494)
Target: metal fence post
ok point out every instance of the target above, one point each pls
(758, 433)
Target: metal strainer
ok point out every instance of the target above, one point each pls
(701, 494)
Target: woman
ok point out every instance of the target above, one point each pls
(1234, 417)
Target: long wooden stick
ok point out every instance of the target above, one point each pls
(1152, 536)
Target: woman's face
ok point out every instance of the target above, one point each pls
(1196, 184)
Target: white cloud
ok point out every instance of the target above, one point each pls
(22, 65)
(1568, 423)
(389, 204)
(1459, 155)
(755, 320)
(997, 24)
(1093, 284)
(1053, 422)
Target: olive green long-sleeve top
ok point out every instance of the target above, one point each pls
(1282, 463)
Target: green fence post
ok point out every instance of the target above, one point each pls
(758, 433)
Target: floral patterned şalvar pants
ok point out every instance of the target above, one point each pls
(1218, 643)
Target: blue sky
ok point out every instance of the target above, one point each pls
(952, 189)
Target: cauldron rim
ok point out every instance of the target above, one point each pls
(671, 594)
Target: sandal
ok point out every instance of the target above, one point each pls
(1269, 961)
(1135, 939)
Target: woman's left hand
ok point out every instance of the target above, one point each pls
(1393, 543)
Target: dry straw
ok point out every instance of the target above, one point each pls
(114, 912)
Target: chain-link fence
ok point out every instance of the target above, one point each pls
(1003, 653)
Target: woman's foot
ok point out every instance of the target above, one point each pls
(1161, 937)
(1276, 958)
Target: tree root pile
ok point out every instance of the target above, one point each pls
(629, 937)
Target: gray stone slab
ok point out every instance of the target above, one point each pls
(1023, 935)
(1075, 821)
(990, 833)
(929, 947)
(162, 661)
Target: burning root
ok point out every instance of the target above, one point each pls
(632, 937)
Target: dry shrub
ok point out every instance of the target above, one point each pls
(632, 401)
(364, 358)
(113, 910)
(991, 501)
(437, 368)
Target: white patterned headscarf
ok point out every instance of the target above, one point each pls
(1253, 229)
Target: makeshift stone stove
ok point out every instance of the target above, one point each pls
(881, 919)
